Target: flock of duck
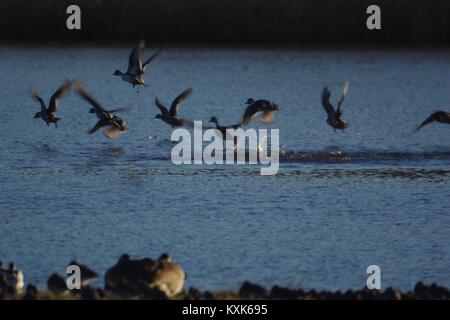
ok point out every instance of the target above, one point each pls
(115, 125)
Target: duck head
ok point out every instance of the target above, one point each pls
(165, 258)
(214, 120)
(92, 110)
(250, 101)
(37, 115)
(117, 73)
(158, 116)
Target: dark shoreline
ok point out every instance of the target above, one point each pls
(248, 291)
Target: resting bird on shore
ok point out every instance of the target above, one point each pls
(143, 276)
(167, 276)
(334, 116)
(254, 108)
(223, 129)
(136, 68)
(106, 118)
(48, 114)
(170, 116)
(438, 116)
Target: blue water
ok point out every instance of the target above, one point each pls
(376, 194)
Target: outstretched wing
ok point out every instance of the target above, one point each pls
(150, 60)
(161, 107)
(344, 94)
(98, 126)
(176, 103)
(81, 90)
(135, 58)
(61, 92)
(35, 95)
(326, 102)
(427, 121)
(249, 113)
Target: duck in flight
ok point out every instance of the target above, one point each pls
(262, 107)
(334, 116)
(106, 118)
(169, 116)
(48, 114)
(136, 68)
(438, 116)
(223, 129)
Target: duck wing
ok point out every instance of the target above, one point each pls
(81, 90)
(326, 104)
(59, 93)
(150, 60)
(98, 126)
(161, 107)
(249, 113)
(35, 95)
(344, 94)
(176, 103)
(428, 120)
(135, 58)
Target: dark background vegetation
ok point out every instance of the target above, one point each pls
(229, 22)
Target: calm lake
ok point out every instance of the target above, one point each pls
(376, 194)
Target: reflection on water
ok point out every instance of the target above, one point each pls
(374, 195)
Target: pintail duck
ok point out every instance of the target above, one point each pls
(254, 108)
(334, 116)
(48, 114)
(438, 116)
(106, 118)
(136, 68)
(223, 129)
(170, 116)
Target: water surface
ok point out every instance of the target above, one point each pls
(376, 194)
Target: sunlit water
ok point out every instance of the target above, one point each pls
(376, 194)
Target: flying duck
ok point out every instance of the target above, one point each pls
(334, 116)
(223, 129)
(266, 107)
(438, 116)
(136, 68)
(48, 114)
(170, 116)
(106, 118)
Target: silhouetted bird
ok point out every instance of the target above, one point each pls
(48, 114)
(438, 116)
(223, 129)
(262, 107)
(170, 116)
(334, 116)
(106, 118)
(136, 68)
